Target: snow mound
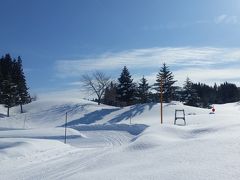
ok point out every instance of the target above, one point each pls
(17, 148)
(105, 142)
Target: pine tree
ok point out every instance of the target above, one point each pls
(143, 91)
(9, 94)
(207, 94)
(227, 93)
(1, 82)
(1, 87)
(126, 87)
(13, 88)
(190, 96)
(167, 78)
(110, 95)
(22, 90)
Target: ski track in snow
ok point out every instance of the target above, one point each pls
(87, 151)
(102, 145)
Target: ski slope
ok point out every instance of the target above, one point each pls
(102, 144)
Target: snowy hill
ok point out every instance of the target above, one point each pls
(102, 144)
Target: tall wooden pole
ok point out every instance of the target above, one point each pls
(161, 99)
(65, 139)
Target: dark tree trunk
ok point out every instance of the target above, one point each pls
(21, 108)
(8, 112)
(99, 100)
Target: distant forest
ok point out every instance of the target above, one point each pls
(13, 86)
(125, 91)
(121, 92)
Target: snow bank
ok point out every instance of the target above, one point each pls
(102, 144)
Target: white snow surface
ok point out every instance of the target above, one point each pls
(103, 145)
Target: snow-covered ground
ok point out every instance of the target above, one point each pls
(105, 142)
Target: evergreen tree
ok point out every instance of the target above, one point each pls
(110, 95)
(126, 87)
(1, 83)
(8, 87)
(6, 66)
(179, 91)
(190, 96)
(13, 88)
(22, 90)
(143, 91)
(9, 94)
(207, 94)
(167, 78)
(227, 93)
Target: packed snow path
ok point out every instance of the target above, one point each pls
(57, 160)
(102, 146)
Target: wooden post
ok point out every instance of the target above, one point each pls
(161, 99)
(65, 140)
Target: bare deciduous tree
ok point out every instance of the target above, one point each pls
(96, 83)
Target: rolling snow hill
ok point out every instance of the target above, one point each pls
(105, 142)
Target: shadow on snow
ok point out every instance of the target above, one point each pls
(92, 117)
(134, 129)
(100, 114)
(134, 111)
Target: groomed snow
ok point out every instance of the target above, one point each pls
(102, 144)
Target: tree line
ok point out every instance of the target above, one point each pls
(125, 91)
(13, 86)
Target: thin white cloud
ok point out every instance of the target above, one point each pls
(203, 64)
(208, 75)
(226, 19)
(149, 58)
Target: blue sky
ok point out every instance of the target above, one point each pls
(59, 40)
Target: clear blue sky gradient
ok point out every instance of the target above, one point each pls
(43, 32)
